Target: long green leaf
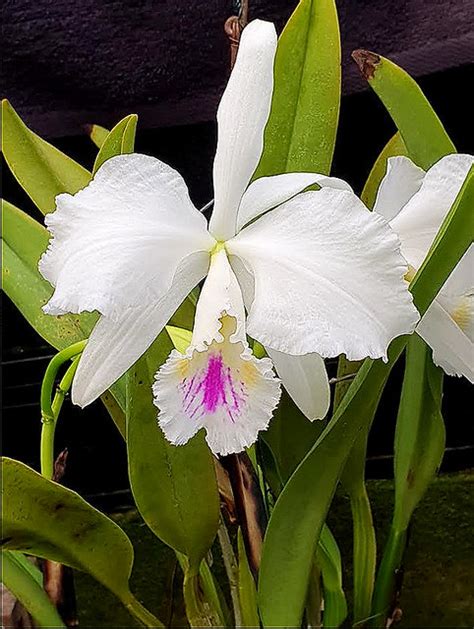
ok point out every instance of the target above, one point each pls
(328, 558)
(97, 134)
(419, 126)
(302, 506)
(18, 577)
(419, 448)
(119, 141)
(301, 131)
(41, 169)
(47, 520)
(174, 487)
(395, 146)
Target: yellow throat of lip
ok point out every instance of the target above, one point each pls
(462, 314)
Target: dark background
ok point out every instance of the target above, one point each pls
(69, 64)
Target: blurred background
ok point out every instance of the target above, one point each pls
(67, 65)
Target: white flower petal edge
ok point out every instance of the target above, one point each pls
(118, 242)
(306, 298)
(241, 118)
(420, 218)
(114, 346)
(402, 180)
(217, 384)
(267, 192)
(306, 380)
(448, 324)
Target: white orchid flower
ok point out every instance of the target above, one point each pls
(416, 203)
(318, 274)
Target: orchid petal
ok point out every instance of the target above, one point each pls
(418, 223)
(402, 180)
(328, 278)
(114, 346)
(217, 384)
(118, 242)
(267, 192)
(241, 118)
(448, 325)
(306, 380)
(452, 349)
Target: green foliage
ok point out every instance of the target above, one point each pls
(301, 131)
(174, 488)
(247, 588)
(25, 582)
(97, 134)
(420, 128)
(41, 169)
(328, 558)
(47, 520)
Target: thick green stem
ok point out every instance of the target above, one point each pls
(386, 584)
(50, 412)
(142, 614)
(231, 568)
(28, 591)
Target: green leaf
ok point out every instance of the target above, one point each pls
(247, 588)
(174, 487)
(25, 582)
(301, 508)
(180, 338)
(301, 131)
(328, 558)
(43, 518)
(97, 134)
(40, 169)
(419, 447)
(24, 240)
(420, 128)
(119, 141)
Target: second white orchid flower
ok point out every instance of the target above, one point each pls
(318, 274)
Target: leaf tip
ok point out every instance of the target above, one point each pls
(367, 62)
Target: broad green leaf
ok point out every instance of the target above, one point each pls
(119, 141)
(328, 558)
(40, 169)
(24, 240)
(174, 487)
(25, 582)
(419, 448)
(420, 128)
(97, 134)
(301, 508)
(43, 518)
(247, 588)
(301, 131)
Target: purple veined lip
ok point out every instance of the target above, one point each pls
(212, 388)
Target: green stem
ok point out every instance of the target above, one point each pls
(49, 379)
(50, 412)
(231, 568)
(386, 583)
(364, 549)
(142, 614)
(28, 591)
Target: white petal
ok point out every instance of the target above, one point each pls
(306, 380)
(241, 118)
(217, 384)
(267, 192)
(402, 180)
(114, 346)
(452, 349)
(419, 221)
(118, 243)
(328, 278)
